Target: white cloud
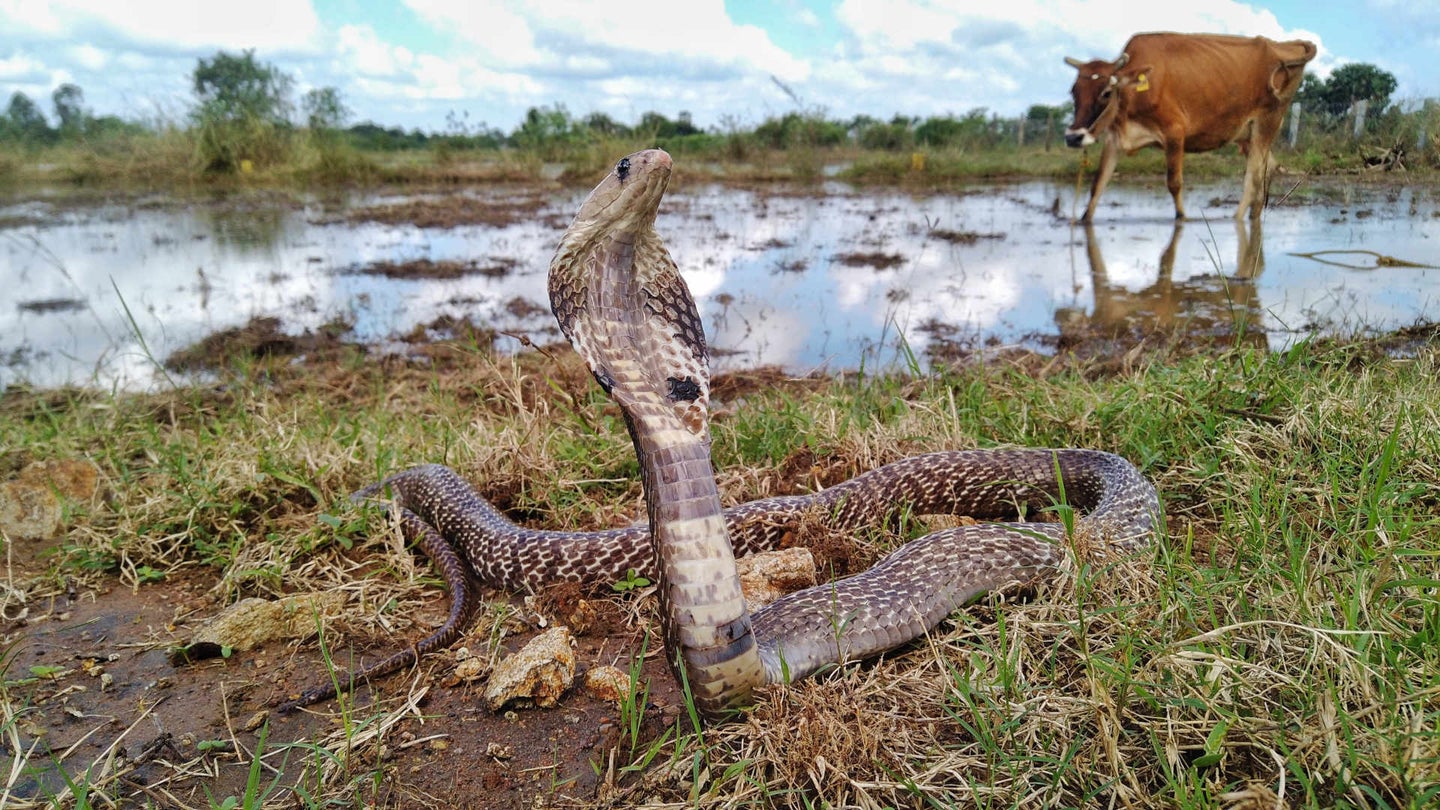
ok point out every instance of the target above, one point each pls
(364, 51)
(174, 24)
(503, 35)
(543, 33)
(89, 57)
(19, 67)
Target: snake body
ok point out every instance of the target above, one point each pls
(621, 302)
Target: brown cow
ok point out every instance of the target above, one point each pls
(1188, 93)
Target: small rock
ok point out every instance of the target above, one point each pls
(31, 505)
(583, 617)
(469, 670)
(608, 683)
(498, 751)
(251, 622)
(769, 575)
(74, 478)
(541, 671)
(29, 511)
(256, 720)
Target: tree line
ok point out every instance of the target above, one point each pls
(244, 114)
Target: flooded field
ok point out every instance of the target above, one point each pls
(101, 294)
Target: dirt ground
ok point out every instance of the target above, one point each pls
(183, 734)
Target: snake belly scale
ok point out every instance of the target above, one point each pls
(623, 305)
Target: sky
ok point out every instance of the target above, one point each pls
(433, 63)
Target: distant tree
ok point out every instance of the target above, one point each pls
(602, 124)
(1311, 94)
(236, 88)
(1046, 121)
(1358, 80)
(69, 103)
(1347, 85)
(871, 133)
(797, 130)
(548, 131)
(971, 130)
(24, 122)
(1040, 113)
(243, 111)
(324, 109)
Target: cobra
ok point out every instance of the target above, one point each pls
(623, 305)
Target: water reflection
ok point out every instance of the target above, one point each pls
(830, 278)
(1202, 304)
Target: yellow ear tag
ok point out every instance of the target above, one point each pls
(1142, 83)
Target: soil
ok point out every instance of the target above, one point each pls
(452, 211)
(184, 732)
(260, 338)
(877, 260)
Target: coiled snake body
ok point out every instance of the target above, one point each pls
(623, 305)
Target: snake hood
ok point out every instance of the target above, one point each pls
(618, 296)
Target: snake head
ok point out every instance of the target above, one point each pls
(622, 303)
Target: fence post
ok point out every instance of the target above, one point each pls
(1427, 114)
(1294, 123)
(1358, 108)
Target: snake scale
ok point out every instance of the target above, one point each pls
(621, 302)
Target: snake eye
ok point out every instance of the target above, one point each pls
(622, 169)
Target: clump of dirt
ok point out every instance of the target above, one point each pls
(261, 338)
(728, 386)
(47, 305)
(963, 237)
(875, 259)
(450, 212)
(450, 329)
(525, 308)
(495, 267)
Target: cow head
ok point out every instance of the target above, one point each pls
(1096, 94)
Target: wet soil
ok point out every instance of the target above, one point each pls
(180, 734)
(439, 270)
(451, 211)
(260, 338)
(875, 259)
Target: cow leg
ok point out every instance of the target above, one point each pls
(1175, 171)
(1259, 163)
(1109, 155)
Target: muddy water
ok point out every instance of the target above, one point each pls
(836, 280)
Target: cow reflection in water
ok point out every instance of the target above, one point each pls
(1210, 305)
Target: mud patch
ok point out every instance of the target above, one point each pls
(92, 672)
(427, 269)
(963, 237)
(450, 329)
(875, 259)
(259, 339)
(46, 305)
(450, 212)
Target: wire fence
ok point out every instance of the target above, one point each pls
(1405, 128)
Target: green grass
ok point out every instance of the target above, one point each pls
(1282, 637)
(171, 159)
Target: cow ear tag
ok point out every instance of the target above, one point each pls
(1142, 82)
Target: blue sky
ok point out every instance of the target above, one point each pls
(414, 63)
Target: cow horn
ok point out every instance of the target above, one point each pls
(1119, 63)
(1073, 62)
